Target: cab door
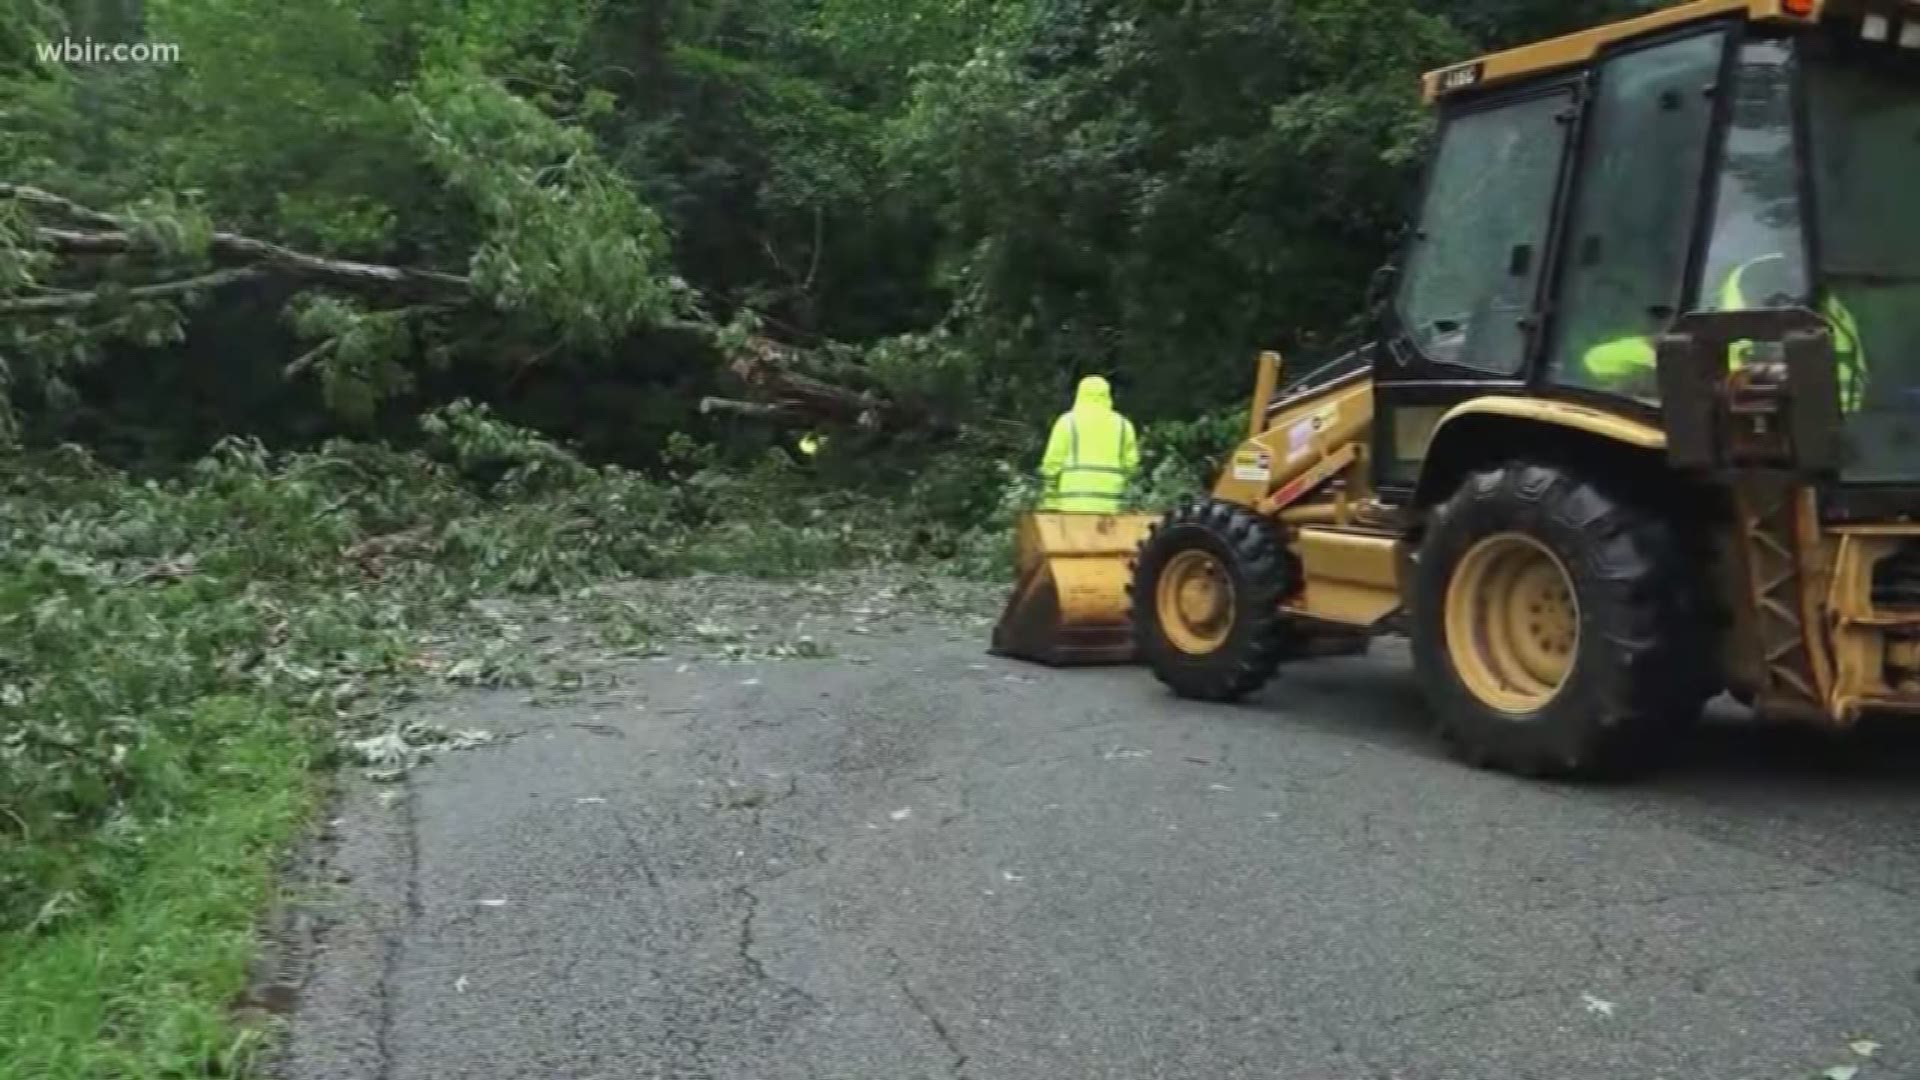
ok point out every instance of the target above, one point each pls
(1467, 312)
(1634, 223)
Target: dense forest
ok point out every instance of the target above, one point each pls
(960, 205)
(342, 314)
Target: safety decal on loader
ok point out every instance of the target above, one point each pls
(1253, 465)
(1301, 435)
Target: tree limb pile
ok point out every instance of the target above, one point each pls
(774, 376)
(772, 372)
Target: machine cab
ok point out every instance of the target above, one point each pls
(1588, 195)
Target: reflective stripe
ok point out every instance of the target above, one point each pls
(1091, 475)
(1116, 490)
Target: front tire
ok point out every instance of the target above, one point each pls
(1206, 592)
(1554, 631)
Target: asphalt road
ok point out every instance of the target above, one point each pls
(920, 862)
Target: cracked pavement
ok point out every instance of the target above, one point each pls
(920, 862)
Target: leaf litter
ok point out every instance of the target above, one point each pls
(393, 753)
(564, 646)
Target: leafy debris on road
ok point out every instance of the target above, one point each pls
(391, 754)
(492, 655)
(755, 796)
(803, 647)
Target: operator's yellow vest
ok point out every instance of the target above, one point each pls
(1620, 360)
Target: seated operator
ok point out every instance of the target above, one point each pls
(1626, 364)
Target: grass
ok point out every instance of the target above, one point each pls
(178, 659)
(144, 991)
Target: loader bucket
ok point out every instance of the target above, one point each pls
(1069, 603)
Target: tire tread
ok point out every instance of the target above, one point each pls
(1259, 562)
(1646, 616)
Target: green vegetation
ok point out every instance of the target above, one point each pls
(368, 308)
(142, 989)
(178, 655)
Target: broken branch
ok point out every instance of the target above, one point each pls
(758, 410)
(79, 301)
(344, 273)
(59, 204)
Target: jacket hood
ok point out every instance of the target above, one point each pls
(1094, 393)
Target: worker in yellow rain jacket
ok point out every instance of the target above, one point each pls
(1625, 361)
(1091, 455)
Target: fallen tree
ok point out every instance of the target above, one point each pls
(246, 259)
(95, 252)
(788, 394)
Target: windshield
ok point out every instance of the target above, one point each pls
(1865, 142)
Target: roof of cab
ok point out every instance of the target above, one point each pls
(1575, 49)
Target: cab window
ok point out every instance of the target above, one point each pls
(1635, 214)
(1473, 272)
(1757, 257)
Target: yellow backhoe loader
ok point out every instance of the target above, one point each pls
(1639, 425)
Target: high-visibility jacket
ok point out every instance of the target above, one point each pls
(1091, 455)
(1847, 351)
(1620, 360)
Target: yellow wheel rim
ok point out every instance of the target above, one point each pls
(1513, 623)
(1194, 602)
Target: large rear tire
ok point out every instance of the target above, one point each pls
(1555, 627)
(1206, 592)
